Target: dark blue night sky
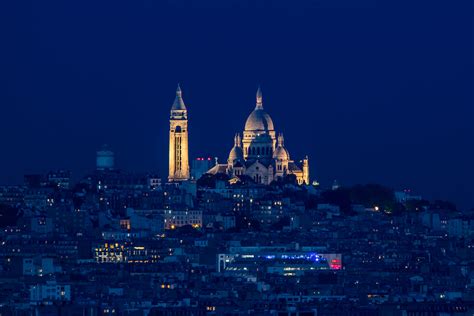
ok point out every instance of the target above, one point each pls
(371, 92)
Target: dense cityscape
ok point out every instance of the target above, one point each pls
(256, 235)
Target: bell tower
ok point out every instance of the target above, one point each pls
(178, 151)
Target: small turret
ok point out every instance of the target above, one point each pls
(306, 170)
(237, 140)
(281, 140)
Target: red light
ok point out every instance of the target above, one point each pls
(335, 264)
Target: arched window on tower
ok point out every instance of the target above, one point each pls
(177, 129)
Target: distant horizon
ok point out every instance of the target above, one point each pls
(76, 177)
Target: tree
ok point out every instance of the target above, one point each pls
(340, 197)
(371, 195)
(8, 215)
(290, 179)
(416, 205)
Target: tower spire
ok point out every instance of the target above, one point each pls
(259, 99)
(178, 103)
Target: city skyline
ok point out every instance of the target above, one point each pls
(390, 105)
(195, 153)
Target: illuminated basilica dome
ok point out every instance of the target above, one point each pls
(281, 153)
(259, 120)
(236, 153)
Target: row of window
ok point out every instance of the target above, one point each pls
(186, 222)
(258, 150)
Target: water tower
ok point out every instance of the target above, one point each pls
(105, 159)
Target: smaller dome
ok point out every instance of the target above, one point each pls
(236, 154)
(281, 153)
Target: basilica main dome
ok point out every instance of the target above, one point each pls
(259, 120)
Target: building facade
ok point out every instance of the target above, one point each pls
(178, 218)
